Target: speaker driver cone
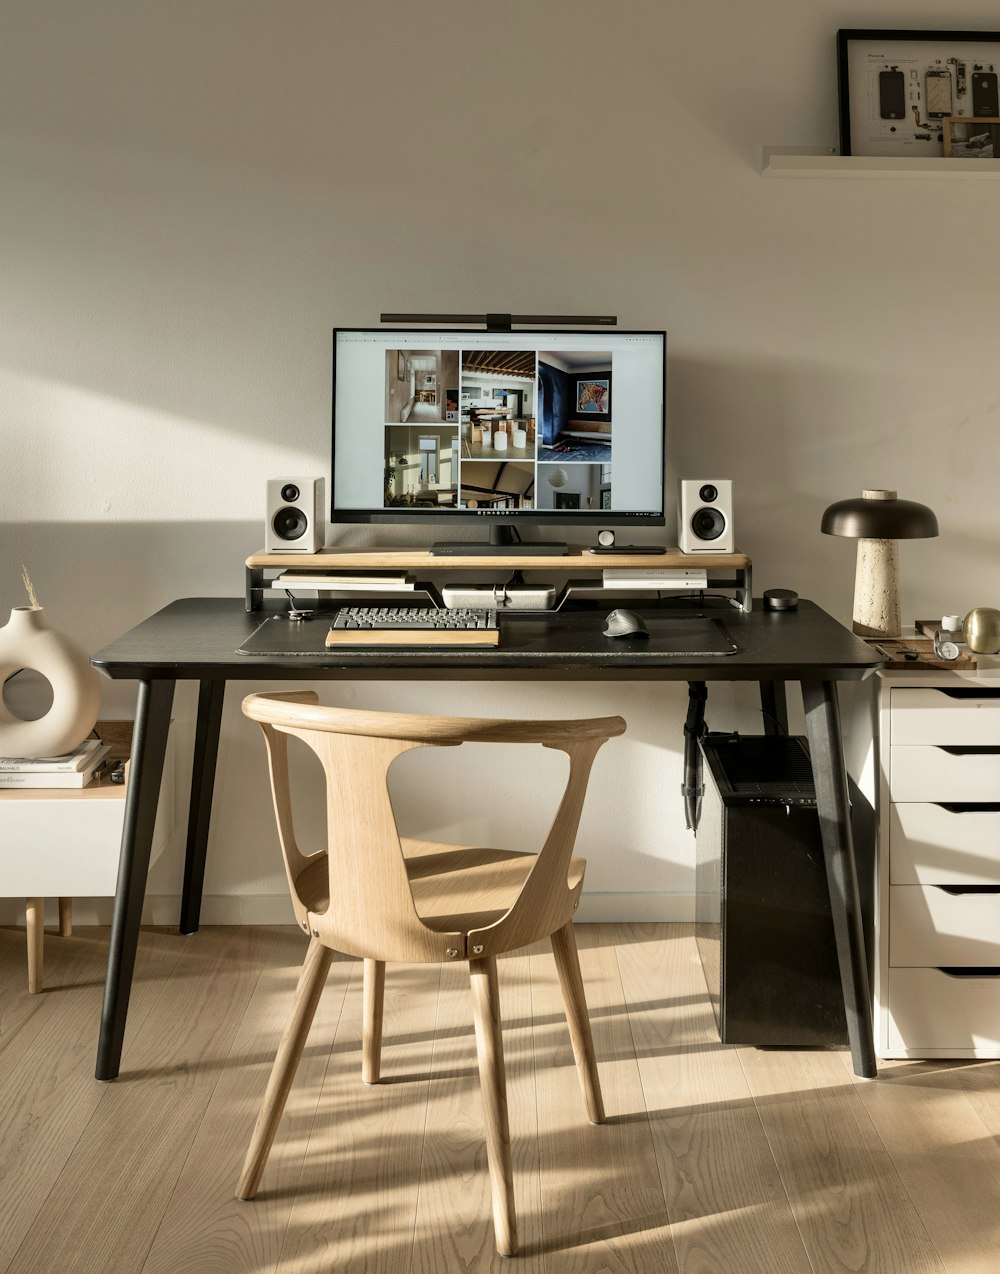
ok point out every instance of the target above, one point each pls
(708, 524)
(289, 524)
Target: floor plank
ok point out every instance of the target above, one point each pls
(206, 1228)
(103, 1211)
(943, 1152)
(356, 1199)
(454, 1179)
(727, 1206)
(850, 1205)
(611, 1215)
(48, 1094)
(714, 1159)
(62, 968)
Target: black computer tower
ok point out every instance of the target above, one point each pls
(763, 924)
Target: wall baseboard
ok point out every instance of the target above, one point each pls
(276, 909)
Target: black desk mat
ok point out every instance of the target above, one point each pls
(552, 635)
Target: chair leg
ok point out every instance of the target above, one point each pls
(65, 917)
(489, 1048)
(578, 1020)
(312, 979)
(34, 919)
(371, 1030)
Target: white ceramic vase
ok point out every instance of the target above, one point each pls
(26, 641)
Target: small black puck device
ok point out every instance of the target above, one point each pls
(781, 599)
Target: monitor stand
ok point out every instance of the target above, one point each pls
(502, 543)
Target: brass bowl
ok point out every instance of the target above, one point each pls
(981, 630)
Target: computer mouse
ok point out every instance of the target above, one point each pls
(625, 623)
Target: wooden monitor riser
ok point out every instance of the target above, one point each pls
(419, 559)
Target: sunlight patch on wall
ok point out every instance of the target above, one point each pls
(70, 455)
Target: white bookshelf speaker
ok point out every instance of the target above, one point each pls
(705, 519)
(296, 515)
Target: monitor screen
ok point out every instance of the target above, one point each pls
(521, 427)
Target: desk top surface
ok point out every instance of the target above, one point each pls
(197, 639)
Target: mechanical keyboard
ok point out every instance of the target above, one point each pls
(414, 626)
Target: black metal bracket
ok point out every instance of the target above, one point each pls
(694, 729)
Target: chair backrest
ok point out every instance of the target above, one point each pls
(370, 911)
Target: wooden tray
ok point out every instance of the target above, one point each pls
(920, 650)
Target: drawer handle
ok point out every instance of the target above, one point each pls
(956, 890)
(974, 750)
(984, 971)
(968, 692)
(968, 807)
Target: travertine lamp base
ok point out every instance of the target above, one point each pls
(876, 583)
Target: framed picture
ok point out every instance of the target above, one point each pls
(400, 365)
(593, 395)
(897, 88)
(971, 138)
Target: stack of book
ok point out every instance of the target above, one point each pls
(76, 769)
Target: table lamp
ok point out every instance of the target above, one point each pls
(877, 520)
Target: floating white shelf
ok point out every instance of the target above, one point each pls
(789, 161)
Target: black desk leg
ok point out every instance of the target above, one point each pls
(149, 745)
(206, 751)
(774, 707)
(830, 777)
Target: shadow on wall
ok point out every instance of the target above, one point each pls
(96, 580)
(794, 436)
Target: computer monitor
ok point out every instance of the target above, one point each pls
(510, 429)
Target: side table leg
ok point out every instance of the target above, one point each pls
(34, 922)
(149, 745)
(206, 751)
(830, 777)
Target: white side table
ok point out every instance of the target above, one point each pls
(65, 843)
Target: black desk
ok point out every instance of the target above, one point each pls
(196, 640)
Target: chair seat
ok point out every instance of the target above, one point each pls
(456, 888)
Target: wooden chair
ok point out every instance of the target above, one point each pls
(380, 898)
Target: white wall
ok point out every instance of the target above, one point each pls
(195, 192)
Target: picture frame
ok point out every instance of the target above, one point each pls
(896, 88)
(971, 137)
(593, 396)
(400, 365)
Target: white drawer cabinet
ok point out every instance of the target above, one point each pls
(925, 772)
(937, 983)
(946, 844)
(961, 718)
(939, 1014)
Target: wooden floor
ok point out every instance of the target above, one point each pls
(714, 1159)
